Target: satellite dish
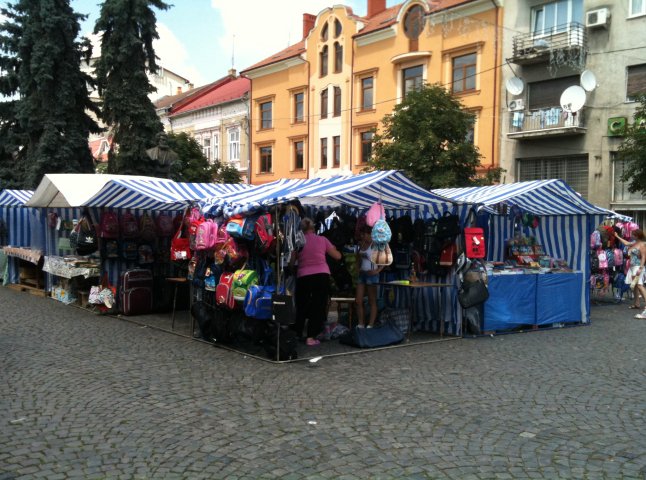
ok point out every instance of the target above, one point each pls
(588, 81)
(572, 99)
(515, 85)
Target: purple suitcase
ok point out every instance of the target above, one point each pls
(136, 292)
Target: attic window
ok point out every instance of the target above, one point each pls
(414, 22)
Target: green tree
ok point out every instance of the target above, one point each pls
(192, 165)
(633, 150)
(127, 29)
(45, 121)
(425, 137)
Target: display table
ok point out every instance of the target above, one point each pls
(532, 300)
(23, 253)
(70, 267)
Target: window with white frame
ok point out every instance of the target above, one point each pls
(620, 191)
(234, 144)
(215, 148)
(637, 7)
(554, 17)
(206, 148)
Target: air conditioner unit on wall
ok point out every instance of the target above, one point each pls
(616, 126)
(516, 105)
(597, 18)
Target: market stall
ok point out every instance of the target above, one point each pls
(147, 204)
(537, 236)
(342, 199)
(19, 262)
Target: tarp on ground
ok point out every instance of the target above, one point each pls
(391, 187)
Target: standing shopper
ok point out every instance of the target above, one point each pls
(368, 278)
(313, 282)
(637, 255)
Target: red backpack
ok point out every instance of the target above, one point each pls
(109, 225)
(265, 238)
(224, 291)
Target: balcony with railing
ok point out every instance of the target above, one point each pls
(538, 46)
(544, 122)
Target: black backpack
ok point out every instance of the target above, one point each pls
(287, 344)
(405, 230)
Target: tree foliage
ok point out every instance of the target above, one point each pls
(633, 150)
(44, 116)
(127, 29)
(192, 165)
(425, 137)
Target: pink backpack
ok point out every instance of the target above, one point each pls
(375, 212)
(619, 257)
(206, 235)
(109, 226)
(603, 260)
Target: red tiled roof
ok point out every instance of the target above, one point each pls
(289, 52)
(222, 93)
(95, 148)
(176, 101)
(382, 20)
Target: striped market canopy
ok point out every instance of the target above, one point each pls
(14, 198)
(539, 197)
(158, 193)
(393, 188)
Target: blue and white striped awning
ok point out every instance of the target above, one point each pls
(539, 197)
(393, 188)
(14, 198)
(157, 193)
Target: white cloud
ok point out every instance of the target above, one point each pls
(262, 27)
(174, 56)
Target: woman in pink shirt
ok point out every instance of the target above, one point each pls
(313, 282)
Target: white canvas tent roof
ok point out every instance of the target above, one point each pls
(64, 190)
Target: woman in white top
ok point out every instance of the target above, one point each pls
(368, 278)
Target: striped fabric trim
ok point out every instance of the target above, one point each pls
(14, 198)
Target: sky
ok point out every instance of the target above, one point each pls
(198, 38)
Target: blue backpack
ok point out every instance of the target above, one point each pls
(381, 233)
(257, 302)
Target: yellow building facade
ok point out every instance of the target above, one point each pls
(315, 104)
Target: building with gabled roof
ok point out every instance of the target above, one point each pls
(315, 105)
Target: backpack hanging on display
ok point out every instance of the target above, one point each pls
(147, 229)
(265, 239)
(145, 255)
(110, 249)
(374, 213)
(206, 235)
(474, 242)
(243, 279)
(83, 238)
(179, 246)
(129, 250)
(447, 226)
(224, 291)
(242, 227)
(109, 225)
(128, 226)
(164, 225)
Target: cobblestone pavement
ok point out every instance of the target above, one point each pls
(83, 396)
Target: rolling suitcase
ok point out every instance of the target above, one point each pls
(136, 292)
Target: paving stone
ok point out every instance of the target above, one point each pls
(105, 398)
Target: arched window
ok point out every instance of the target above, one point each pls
(338, 28)
(323, 60)
(338, 57)
(324, 33)
(413, 25)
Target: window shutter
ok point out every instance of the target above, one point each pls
(547, 94)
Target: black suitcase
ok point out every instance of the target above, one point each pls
(136, 292)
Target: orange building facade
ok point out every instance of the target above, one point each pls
(315, 104)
